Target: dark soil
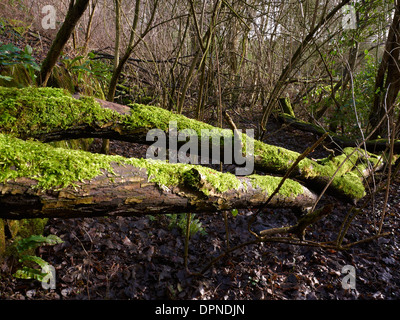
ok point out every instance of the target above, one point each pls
(142, 257)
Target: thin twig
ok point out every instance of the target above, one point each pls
(288, 173)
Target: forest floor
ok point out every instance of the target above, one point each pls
(142, 257)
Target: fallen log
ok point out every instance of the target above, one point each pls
(48, 114)
(375, 145)
(40, 181)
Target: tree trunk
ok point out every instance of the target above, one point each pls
(131, 46)
(85, 118)
(125, 187)
(73, 15)
(387, 83)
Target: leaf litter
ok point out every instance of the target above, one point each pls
(142, 257)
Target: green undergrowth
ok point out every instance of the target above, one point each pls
(179, 221)
(25, 252)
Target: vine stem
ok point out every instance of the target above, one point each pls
(187, 236)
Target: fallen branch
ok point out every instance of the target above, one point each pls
(375, 145)
(51, 114)
(39, 181)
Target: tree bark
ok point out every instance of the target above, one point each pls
(73, 15)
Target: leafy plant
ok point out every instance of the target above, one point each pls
(90, 73)
(11, 55)
(24, 248)
(180, 220)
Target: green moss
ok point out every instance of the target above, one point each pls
(58, 167)
(154, 117)
(286, 106)
(51, 167)
(76, 144)
(21, 229)
(269, 184)
(19, 74)
(60, 78)
(41, 110)
(350, 184)
(219, 181)
(168, 175)
(279, 159)
(348, 178)
(26, 227)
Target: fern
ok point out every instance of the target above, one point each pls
(36, 241)
(29, 273)
(31, 243)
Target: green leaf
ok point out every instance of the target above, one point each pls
(28, 50)
(35, 241)
(81, 68)
(35, 259)
(29, 273)
(6, 78)
(235, 212)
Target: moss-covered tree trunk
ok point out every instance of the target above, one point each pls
(375, 145)
(131, 187)
(51, 114)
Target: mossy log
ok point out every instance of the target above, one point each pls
(40, 181)
(375, 145)
(286, 106)
(48, 114)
